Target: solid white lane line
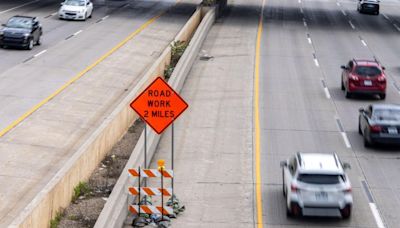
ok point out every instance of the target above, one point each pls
(17, 7)
(352, 26)
(345, 139)
(40, 53)
(376, 215)
(327, 94)
(77, 32)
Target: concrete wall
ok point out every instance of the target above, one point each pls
(115, 211)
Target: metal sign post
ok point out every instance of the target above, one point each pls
(172, 157)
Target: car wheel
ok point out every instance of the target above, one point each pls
(30, 45)
(90, 16)
(359, 128)
(342, 85)
(366, 142)
(38, 42)
(347, 94)
(382, 96)
(283, 185)
(346, 212)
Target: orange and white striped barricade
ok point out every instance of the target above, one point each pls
(148, 209)
(147, 191)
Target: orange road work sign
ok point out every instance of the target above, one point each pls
(159, 105)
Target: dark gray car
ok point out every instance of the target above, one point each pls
(380, 123)
(21, 31)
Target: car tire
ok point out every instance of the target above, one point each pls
(382, 96)
(90, 16)
(347, 94)
(346, 212)
(366, 142)
(343, 88)
(359, 128)
(38, 42)
(283, 185)
(30, 45)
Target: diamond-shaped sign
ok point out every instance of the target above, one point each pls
(159, 105)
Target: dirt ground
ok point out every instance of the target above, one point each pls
(83, 212)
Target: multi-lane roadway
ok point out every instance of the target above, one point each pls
(68, 47)
(302, 107)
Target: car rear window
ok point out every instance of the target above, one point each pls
(320, 178)
(386, 114)
(367, 71)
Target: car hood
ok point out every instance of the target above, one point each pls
(15, 31)
(73, 8)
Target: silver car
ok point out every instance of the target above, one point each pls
(316, 185)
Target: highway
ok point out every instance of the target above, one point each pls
(68, 47)
(302, 107)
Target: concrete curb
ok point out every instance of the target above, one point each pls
(115, 211)
(58, 192)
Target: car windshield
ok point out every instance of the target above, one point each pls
(386, 114)
(319, 178)
(74, 3)
(367, 71)
(19, 22)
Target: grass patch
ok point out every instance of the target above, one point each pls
(81, 189)
(56, 220)
(177, 50)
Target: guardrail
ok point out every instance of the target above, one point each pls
(58, 192)
(115, 211)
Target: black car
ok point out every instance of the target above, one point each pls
(21, 31)
(380, 123)
(368, 6)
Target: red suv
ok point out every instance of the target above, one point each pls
(364, 77)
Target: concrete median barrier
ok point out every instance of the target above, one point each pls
(116, 209)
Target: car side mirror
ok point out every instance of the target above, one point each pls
(283, 164)
(346, 165)
(361, 110)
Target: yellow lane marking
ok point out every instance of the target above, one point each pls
(79, 75)
(257, 120)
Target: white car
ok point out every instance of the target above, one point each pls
(316, 185)
(76, 9)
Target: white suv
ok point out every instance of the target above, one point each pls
(316, 185)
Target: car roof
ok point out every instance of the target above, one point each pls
(364, 62)
(318, 163)
(386, 106)
(28, 17)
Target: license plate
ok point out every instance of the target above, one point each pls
(368, 83)
(392, 130)
(321, 196)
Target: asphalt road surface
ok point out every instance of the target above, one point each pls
(68, 47)
(302, 107)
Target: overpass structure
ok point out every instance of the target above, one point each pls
(275, 59)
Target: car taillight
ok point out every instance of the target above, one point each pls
(347, 190)
(293, 188)
(381, 79)
(375, 128)
(353, 77)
